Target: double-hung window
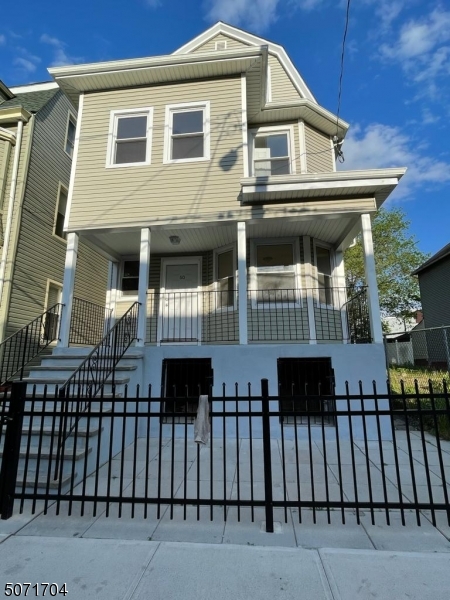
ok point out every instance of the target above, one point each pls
(70, 134)
(130, 277)
(61, 207)
(272, 152)
(187, 132)
(130, 138)
(324, 276)
(275, 273)
(225, 278)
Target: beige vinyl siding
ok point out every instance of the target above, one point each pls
(117, 196)
(10, 261)
(210, 45)
(319, 157)
(283, 90)
(41, 255)
(5, 153)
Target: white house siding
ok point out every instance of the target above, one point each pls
(40, 255)
(117, 196)
(319, 157)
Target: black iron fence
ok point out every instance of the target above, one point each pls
(89, 322)
(384, 452)
(24, 345)
(272, 315)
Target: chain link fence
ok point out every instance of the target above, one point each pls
(421, 355)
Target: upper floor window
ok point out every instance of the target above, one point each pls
(70, 134)
(272, 152)
(130, 137)
(187, 132)
(61, 207)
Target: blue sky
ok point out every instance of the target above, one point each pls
(396, 86)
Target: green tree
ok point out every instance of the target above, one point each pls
(396, 256)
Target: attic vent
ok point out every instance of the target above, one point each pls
(222, 45)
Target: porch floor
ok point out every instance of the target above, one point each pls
(239, 528)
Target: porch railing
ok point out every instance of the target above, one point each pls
(89, 322)
(279, 315)
(24, 345)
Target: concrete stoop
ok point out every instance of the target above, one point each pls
(41, 438)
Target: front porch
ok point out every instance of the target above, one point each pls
(240, 283)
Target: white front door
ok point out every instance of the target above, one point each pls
(180, 300)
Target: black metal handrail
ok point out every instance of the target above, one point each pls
(20, 348)
(358, 320)
(90, 377)
(89, 322)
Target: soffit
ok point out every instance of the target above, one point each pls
(153, 71)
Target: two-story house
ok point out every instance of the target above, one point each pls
(208, 180)
(37, 137)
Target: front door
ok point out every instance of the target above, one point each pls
(180, 301)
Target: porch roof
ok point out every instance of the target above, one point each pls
(373, 183)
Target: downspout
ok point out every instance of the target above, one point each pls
(9, 218)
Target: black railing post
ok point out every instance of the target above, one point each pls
(25, 348)
(11, 450)
(267, 455)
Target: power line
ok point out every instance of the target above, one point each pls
(341, 76)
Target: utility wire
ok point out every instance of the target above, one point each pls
(340, 156)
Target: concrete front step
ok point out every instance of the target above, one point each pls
(43, 481)
(64, 367)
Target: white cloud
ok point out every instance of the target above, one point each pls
(422, 48)
(60, 56)
(255, 14)
(383, 146)
(25, 64)
(2, 40)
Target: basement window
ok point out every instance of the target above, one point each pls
(185, 380)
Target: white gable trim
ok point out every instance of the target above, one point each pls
(252, 40)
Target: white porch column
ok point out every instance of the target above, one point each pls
(242, 282)
(371, 280)
(144, 269)
(111, 292)
(309, 288)
(68, 289)
(341, 295)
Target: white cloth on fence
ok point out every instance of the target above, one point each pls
(201, 425)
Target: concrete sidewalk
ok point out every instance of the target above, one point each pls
(134, 570)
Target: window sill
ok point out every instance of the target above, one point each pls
(127, 165)
(59, 238)
(185, 160)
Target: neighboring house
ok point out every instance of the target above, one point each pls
(434, 284)
(37, 134)
(208, 178)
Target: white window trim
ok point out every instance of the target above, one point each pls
(216, 253)
(57, 284)
(334, 292)
(297, 272)
(113, 120)
(54, 234)
(289, 129)
(121, 297)
(187, 106)
(70, 115)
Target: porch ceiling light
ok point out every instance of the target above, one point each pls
(174, 239)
